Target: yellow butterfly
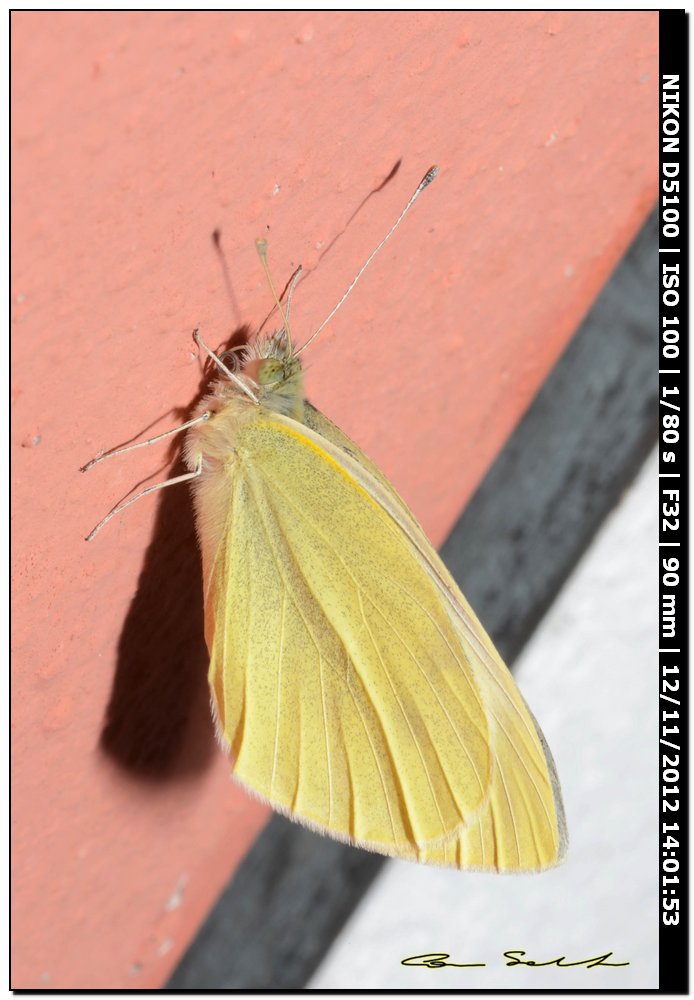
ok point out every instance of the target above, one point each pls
(351, 683)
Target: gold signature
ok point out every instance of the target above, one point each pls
(439, 960)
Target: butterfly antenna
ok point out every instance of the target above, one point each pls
(425, 181)
(293, 281)
(261, 247)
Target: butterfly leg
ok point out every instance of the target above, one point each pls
(141, 444)
(138, 496)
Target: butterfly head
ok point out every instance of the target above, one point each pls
(278, 375)
(272, 372)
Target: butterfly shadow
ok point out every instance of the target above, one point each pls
(157, 723)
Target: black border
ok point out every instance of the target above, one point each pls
(673, 643)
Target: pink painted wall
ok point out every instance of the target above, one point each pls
(135, 135)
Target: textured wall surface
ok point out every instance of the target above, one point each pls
(135, 135)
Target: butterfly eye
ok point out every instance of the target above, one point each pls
(270, 370)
